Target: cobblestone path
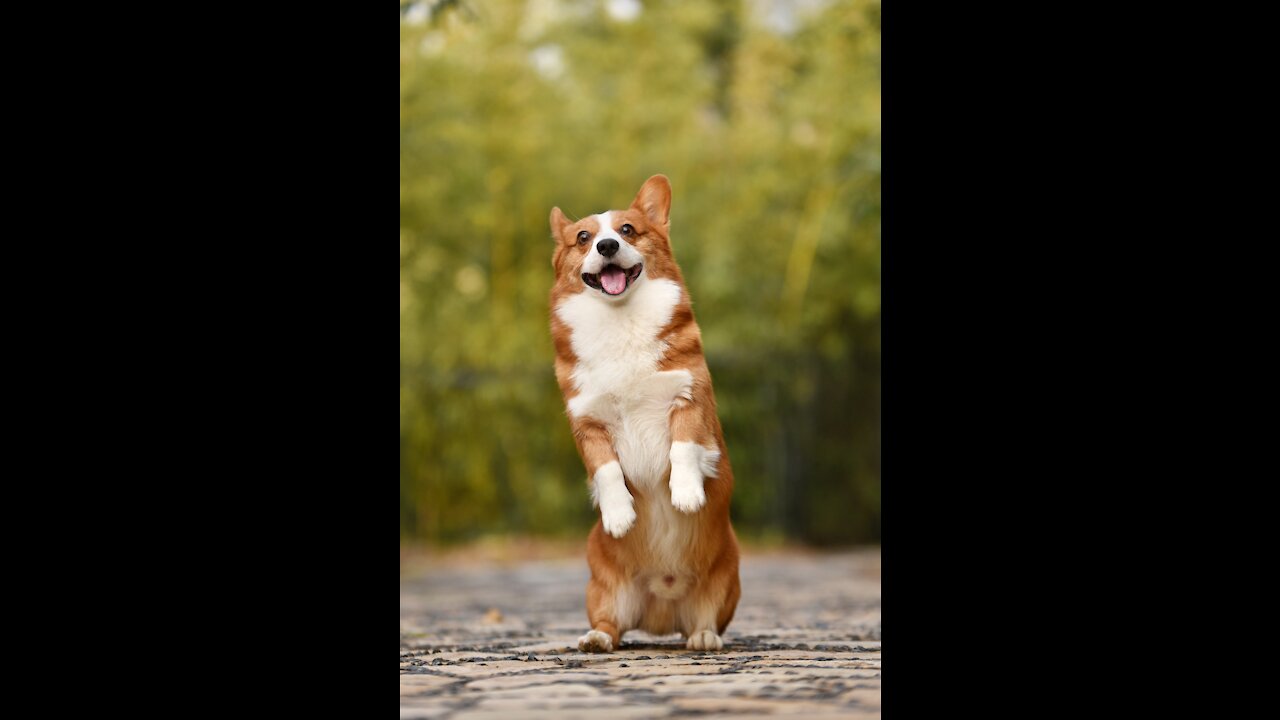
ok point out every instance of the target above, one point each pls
(501, 642)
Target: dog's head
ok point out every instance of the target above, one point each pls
(610, 253)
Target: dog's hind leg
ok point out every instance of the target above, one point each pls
(700, 624)
(702, 619)
(604, 636)
(614, 603)
(709, 608)
(730, 605)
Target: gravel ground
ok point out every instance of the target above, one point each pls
(494, 641)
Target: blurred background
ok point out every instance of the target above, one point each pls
(765, 115)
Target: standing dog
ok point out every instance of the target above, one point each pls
(629, 361)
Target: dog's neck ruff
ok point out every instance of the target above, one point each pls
(616, 341)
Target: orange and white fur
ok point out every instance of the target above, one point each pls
(629, 361)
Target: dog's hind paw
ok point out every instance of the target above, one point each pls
(595, 641)
(705, 640)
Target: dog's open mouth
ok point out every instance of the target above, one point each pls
(613, 280)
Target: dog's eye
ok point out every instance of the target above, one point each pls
(583, 237)
(627, 230)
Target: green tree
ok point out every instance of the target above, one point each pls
(770, 132)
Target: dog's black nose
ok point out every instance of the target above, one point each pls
(607, 247)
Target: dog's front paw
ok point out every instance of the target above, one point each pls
(618, 516)
(704, 640)
(609, 491)
(595, 641)
(687, 494)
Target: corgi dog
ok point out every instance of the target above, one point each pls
(663, 556)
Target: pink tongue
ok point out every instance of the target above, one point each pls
(613, 279)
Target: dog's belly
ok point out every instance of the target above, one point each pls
(638, 419)
(658, 589)
(641, 431)
(668, 536)
(658, 602)
(661, 617)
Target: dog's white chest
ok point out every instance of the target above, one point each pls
(617, 376)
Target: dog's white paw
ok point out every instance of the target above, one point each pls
(609, 491)
(687, 494)
(705, 640)
(618, 516)
(595, 641)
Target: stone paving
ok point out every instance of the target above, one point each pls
(488, 641)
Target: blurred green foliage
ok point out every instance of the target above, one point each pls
(765, 115)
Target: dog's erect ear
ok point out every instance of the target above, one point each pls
(654, 200)
(558, 223)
